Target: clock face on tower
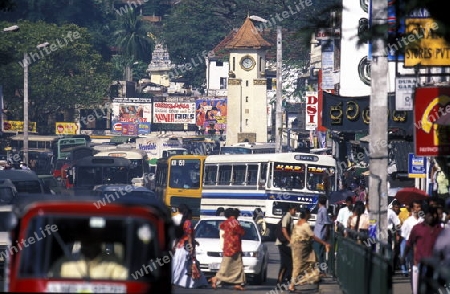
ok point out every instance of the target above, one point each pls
(247, 63)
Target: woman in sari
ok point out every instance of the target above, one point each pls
(231, 268)
(184, 267)
(301, 247)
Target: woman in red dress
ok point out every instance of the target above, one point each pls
(231, 268)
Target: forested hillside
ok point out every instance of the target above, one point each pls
(187, 27)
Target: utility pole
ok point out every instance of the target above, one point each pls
(278, 109)
(378, 127)
(25, 108)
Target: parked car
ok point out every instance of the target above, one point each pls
(209, 252)
(122, 190)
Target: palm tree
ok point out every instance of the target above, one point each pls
(132, 39)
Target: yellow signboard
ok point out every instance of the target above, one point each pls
(66, 128)
(13, 126)
(423, 45)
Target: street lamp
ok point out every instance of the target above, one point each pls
(25, 101)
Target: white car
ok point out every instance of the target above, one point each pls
(209, 252)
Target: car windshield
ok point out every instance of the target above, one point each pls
(210, 229)
(28, 186)
(65, 246)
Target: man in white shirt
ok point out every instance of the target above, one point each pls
(408, 224)
(344, 214)
(394, 230)
(393, 219)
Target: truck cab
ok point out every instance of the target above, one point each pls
(69, 245)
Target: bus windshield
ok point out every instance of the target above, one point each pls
(289, 175)
(185, 173)
(319, 178)
(65, 145)
(91, 176)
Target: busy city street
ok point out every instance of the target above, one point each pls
(157, 146)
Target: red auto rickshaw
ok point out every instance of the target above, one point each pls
(88, 245)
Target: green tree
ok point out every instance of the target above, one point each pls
(96, 15)
(67, 74)
(132, 38)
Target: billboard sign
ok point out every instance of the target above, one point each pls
(126, 114)
(12, 126)
(66, 128)
(417, 166)
(425, 47)
(312, 111)
(404, 91)
(174, 112)
(211, 114)
(328, 33)
(432, 121)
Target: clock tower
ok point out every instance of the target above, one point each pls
(247, 102)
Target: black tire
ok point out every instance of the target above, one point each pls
(260, 278)
(265, 275)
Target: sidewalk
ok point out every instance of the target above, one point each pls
(329, 285)
(400, 285)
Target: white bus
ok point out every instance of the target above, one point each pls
(267, 183)
(139, 164)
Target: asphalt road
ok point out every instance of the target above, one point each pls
(267, 287)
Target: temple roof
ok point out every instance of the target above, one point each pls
(247, 37)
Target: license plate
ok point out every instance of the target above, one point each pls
(214, 266)
(84, 288)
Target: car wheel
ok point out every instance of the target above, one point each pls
(265, 274)
(260, 278)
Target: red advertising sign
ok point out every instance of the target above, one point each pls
(432, 121)
(312, 111)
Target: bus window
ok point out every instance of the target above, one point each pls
(89, 176)
(161, 175)
(225, 174)
(136, 168)
(195, 178)
(252, 174)
(210, 174)
(239, 174)
(263, 175)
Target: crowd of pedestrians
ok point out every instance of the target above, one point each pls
(420, 230)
